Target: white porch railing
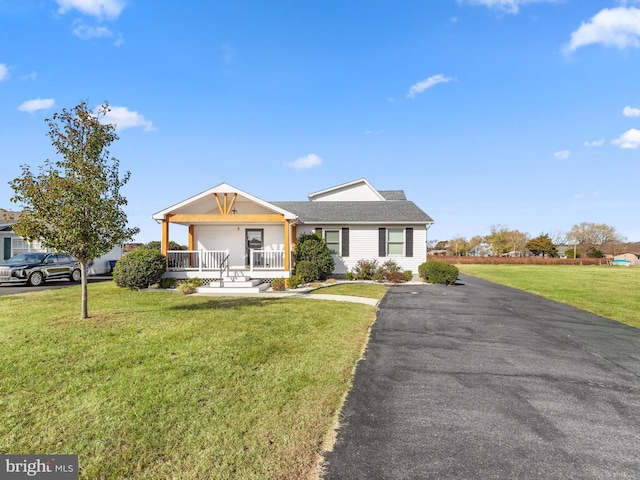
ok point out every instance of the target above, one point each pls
(200, 260)
(266, 259)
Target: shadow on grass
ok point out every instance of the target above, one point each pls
(228, 303)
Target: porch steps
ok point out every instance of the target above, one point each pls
(229, 287)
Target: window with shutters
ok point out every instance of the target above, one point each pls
(395, 241)
(332, 237)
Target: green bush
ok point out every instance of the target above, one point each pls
(438, 272)
(311, 247)
(293, 282)
(307, 270)
(277, 284)
(350, 276)
(365, 269)
(139, 269)
(408, 275)
(190, 286)
(168, 282)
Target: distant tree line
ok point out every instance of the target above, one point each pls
(584, 240)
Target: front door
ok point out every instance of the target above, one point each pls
(254, 238)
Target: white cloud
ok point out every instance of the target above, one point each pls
(100, 9)
(595, 143)
(629, 139)
(562, 154)
(614, 27)
(426, 84)
(373, 132)
(4, 72)
(123, 118)
(87, 32)
(308, 161)
(631, 112)
(37, 104)
(508, 6)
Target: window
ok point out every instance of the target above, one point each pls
(19, 245)
(395, 241)
(332, 237)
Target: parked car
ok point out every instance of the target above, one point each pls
(33, 268)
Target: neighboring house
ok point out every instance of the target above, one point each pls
(632, 258)
(12, 245)
(233, 232)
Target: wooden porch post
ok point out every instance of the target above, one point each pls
(287, 245)
(190, 245)
(293, 239)
(191, 237)
(164, 244)
(165, 236)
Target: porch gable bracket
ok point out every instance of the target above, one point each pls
(225, 208)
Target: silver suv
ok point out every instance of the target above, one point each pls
(36, 267)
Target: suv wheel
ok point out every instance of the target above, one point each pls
(35, 279)
(76, 275)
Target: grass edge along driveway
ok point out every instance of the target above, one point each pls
(608, 291)
(160, 385)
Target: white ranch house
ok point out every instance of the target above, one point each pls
(233, 235)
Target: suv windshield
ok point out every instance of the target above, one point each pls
(27, 258)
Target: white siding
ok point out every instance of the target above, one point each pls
(363, 245)
(232, 237)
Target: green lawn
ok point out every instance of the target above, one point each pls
(612, 292)
(368, 290)
(161, 385)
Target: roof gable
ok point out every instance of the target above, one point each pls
(208, 202)
(357, 190)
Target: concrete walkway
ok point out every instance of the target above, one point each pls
(480, 381)
(301, 294)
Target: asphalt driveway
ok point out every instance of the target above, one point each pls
(480, 381)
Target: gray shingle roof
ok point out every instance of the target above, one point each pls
(393, 194)
(356, 212)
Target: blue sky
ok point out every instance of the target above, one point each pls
(522, 113)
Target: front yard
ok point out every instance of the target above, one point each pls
(160, 385)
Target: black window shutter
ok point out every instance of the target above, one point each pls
(382, 242)
(319, 231)
(345, 242)
(409, 239)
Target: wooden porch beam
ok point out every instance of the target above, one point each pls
(233, 202)
(220, 209)
(216, 218)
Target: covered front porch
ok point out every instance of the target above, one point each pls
(231, 235)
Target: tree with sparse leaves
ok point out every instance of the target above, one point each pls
(74, 204)
(590, 237)
(459, 246)
(500, 240)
